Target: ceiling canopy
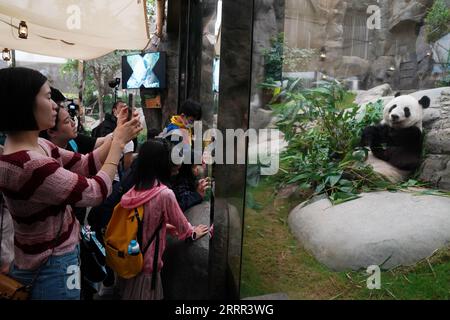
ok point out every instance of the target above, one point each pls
(76, 29)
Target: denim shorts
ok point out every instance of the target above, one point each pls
(58, 278)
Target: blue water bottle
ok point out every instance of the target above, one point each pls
(133, 248)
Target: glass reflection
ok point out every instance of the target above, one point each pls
(315, 59)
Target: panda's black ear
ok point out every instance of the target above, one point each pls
(425, 102)
(398, 94)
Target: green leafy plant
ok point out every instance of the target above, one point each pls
(281, 55)
(273, 59)
(437, 21)
(323, 129)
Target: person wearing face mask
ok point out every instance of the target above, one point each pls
(183, 123)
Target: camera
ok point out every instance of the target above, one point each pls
(114, 83)
(72, 108)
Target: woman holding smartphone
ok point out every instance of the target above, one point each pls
(40, 182)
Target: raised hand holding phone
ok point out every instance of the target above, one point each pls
(127, 129)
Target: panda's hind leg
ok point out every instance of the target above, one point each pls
(405, 160)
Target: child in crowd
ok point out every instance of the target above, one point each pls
(190, 112)
(153, 171)
(188, 185)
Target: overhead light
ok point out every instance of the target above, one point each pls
(23, 30)
(323, 54)
(6, 54)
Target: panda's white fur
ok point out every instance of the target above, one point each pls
(395, 116)
(396, 108)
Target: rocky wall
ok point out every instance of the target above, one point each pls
(436, 167)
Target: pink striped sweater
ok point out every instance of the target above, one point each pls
(39, 190)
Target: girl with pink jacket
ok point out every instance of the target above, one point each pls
(160, 208)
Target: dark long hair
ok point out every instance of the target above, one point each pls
(190, 108)
(18, 90)
(153, 164)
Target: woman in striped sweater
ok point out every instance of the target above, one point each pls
(41, 181)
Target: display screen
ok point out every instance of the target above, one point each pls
(146, 70)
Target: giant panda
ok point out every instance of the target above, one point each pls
(396, 143)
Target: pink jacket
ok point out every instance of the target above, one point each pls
(159, 203)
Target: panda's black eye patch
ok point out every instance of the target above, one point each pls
(407, 112)
(392, 108)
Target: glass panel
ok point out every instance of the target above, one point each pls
(231, 98)
(322, 74)
(187, 267)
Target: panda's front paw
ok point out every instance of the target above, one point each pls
(366, 138)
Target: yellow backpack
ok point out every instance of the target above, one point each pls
(126, 225)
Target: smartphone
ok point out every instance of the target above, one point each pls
(130, 106)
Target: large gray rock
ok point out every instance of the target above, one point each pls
(424, 60)
(225, 250)
(436, 169)
(397, 43)
(353, 66)
(438, 141)
(436, 166)
(441, 49)
(186, 263)
(407, 10)
(379, 73)
(434, 112)
(364, 97)
(394, 228)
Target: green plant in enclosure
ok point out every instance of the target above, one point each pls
(323, 130)
(280, 55)
(273, 59)
(437, 21)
